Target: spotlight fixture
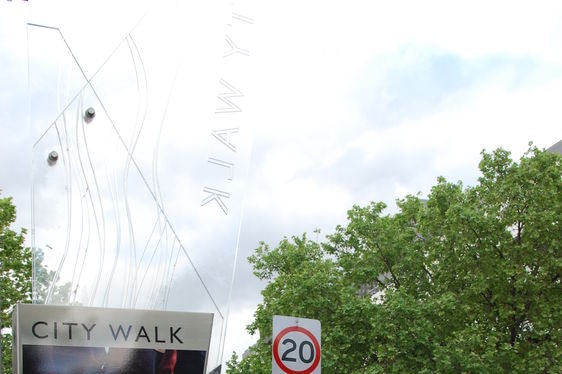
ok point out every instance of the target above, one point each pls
(52, 158)
(89, 114)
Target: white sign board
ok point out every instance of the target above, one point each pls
(296, 345)
(75, 339)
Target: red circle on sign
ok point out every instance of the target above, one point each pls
(314, 341)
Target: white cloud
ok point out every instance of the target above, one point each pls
(239, 340)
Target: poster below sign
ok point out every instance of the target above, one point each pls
(296, 345)
(71, 339)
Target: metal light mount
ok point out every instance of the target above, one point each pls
(52, 158)
(89, 115)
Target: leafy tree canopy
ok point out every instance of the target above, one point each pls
(15, 275)
(465, 281)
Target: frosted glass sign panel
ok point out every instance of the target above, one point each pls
(140, 151)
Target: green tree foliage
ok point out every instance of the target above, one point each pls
(467, 281)
(15, 275)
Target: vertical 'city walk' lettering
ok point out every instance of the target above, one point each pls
(225, 164)
(242, 18)
(225, 97)
(225, 137)
(233, 46)
(216, 195)
(234, 49)
(228, 96)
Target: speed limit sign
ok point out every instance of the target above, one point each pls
(296, 345)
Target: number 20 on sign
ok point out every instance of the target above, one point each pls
(296, 345)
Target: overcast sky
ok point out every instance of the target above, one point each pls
(341, 103)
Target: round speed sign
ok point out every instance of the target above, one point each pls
(296, 349)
